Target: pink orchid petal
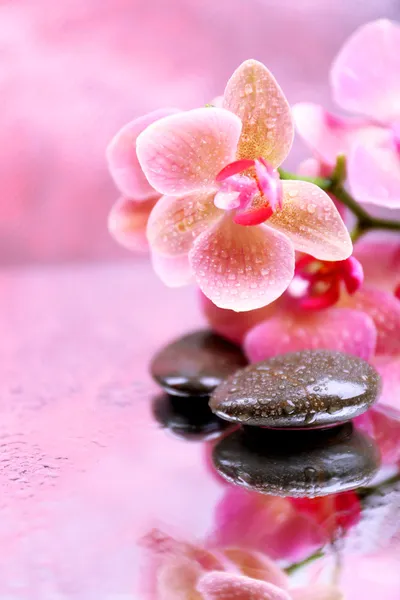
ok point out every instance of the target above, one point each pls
(242, 268)
(185, 152)
(257, 566)
(346, 330)
(253, 94)
(127, 222)
(174, 271)
(384, 310)
(227, 586)
(122, 159)
(177, 580)
(233, 325)
(269, 524)
(365, 73)
(389, 370)
(317, 592)
(175, 222)
(312, 222)
(311, 167)
(374, 174)
(382, 273)
(382, 423)
(353, 274)
(328, 135)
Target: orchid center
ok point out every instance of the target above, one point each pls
(317, 284)
(251, 189)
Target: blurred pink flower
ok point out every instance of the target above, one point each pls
(365, 323)
(182, 571)
(365, 80)
(283, 528)
(382, 423)
(128, 218)
(217, 169)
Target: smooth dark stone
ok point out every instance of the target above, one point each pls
(297, 463)
(307, 389)
(195, 364)
(190, 419)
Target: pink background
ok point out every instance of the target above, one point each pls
(73, 71)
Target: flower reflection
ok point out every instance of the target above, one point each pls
(179, 570)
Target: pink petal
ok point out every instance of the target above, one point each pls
(122, 160)
(311, 167)
(256, 565)
(175, 222)
(382, 423)
(127, 223)
(268, 524)
(384, 310)
(233, 325)
(185, 152)
(253, 94)
(365, 74)
(177, 580)
(226, 586)
(327, 135)
(317, 592)
(382, 273)
(374, 174)
(312, 222)
(389, 370)
(242, 268)
(174, 271)
(346, 330)
(353, 274)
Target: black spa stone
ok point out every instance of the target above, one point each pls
(297, 463)
(307, 389)
(195, 364)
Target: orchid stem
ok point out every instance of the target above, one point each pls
(334, 185)
(303, 563)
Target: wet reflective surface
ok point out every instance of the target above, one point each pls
(99, 501)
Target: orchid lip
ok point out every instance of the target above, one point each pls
(253, 197)
(321, 281)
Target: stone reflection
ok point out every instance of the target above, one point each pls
(189, 418)
(297, 463)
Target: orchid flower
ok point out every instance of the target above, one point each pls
(326, 306)
(288, 529)
(128, 217)
(365, 80)
(226, 220)
(180, 570)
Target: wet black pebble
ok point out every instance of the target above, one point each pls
(195, 364)
(297, 463)
(190, 419)
(307, 389)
